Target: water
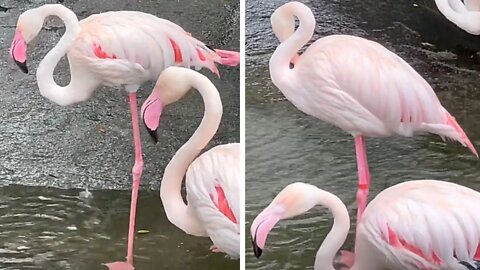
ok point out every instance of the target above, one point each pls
(46, 228)
(284, 145)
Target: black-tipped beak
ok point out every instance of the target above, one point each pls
(153, 134)
(256, 250)
(23, 66)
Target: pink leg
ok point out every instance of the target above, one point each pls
(363, 178)
(136, 173)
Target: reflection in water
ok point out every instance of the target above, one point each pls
(284, 145)
(43, 228)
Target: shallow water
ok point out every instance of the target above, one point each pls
(46, 228)
(284, 145)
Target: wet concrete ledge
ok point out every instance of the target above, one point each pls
(44, 144)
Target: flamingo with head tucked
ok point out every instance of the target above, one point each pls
(357, 85)
(212, 179)
(415, 225)
(466, 14)
(118, 49)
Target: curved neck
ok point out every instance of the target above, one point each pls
(73, 92)
(337, 235)
(280, 60)
(170, 190)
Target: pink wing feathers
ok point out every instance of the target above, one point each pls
(391, 98)
(213, 190)
(425, 225)
(128, 47)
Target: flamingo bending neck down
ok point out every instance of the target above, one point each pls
(415, 225)
(466, 14)
(357, 85)
(119, 49)
(212, 180)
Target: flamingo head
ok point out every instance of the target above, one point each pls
(171, 86)
(295, 199)
(29, 25)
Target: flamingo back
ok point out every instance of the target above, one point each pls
(124, 47)
(213, 190)
(425, 224)
(376, 86)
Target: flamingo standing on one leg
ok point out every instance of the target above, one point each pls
(357, 85)
(121, 49)
(466, 15)
(213, 179)
(415, 225)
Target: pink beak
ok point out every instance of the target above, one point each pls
(18, 51)
(262, 225)
(150, 112)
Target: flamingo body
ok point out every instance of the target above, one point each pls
(415, 225)
(129, 48)
(118, 48)
(424, 225)
(364, 89)
(213, 192)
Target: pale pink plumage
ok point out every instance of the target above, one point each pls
(141, 44)
(120, 49)
(357, 85)
(390, 99)
(424, 225)
(415, 225)
(219, 212)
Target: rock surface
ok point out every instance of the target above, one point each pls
(91, 144)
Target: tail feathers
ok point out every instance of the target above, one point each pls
(464, 139)
(451, 130)
(210, 57)
(228, 58)
(207, 58)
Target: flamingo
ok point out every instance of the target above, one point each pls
(118, 49)
(357, 85)
(465, 15)
(414, 225)
(212, 180)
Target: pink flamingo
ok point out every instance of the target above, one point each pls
(415, 225)
(118, 49)
(357, 85)
(466, 14)
(212, 180)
